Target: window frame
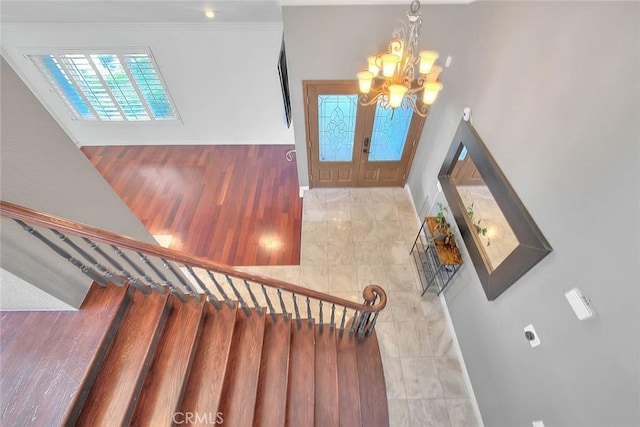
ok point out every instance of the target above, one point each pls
(34, 56)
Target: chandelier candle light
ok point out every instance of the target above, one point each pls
(391, 79)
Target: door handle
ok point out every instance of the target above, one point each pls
(366, 142)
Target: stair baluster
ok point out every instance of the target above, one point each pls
(332, 324)
(186, 285)
(256, 304)
(352, 329)
(94, 275)
(102, 269)
(166, 282)
(115, 264)
(271, 309)
(226, 298)
(285, 314)
(137, 269)
(372, 325)
(344, 316)
(241, 301)
(210, 297)
(295, 309)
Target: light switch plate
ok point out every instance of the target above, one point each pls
(579, 303)
(537, 424)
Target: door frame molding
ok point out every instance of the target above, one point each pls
(416, 127)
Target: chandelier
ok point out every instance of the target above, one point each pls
(391, 79)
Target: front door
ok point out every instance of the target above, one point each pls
(349, 145)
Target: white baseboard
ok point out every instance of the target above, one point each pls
(303, 188)
(454, 338)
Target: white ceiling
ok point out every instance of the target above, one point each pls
(175, 11)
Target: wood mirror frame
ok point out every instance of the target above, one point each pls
(532, 246)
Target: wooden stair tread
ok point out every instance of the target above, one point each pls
(203, 392)
(300, 398)
(326, 411)
(241, 382)
(348, 384)
(271, 403)
(373, 392)
(55, 356)
(119, 381)
(164, 385)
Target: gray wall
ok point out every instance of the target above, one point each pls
(41, 168)
(554, 89)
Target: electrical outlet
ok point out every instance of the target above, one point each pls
(531, 335)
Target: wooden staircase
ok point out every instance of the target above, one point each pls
(131, 359)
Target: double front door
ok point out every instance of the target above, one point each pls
(349, 145)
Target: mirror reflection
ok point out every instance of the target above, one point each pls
(493, 234)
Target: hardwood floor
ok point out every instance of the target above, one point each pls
(236, 205)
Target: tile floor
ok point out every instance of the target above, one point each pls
(354, 237)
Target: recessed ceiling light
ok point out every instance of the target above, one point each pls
(209, 13)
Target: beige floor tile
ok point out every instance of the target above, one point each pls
(371, 274)
(367, 253)
(393, 378)
(337, 195)
(441, 341)
(338, 211)
(339, 253)
(399, 413)
(396, 253)
(406, 306)
(314, 231)
(389, 231)
(314, 210)
(428, 413)
(385, 211)
(432, 308)
(401, 194)
(315, 195)
(364, 231)
(383, 194)
(339, 231)
(421, 380)
(286, 273)
(461, 413)
(413, 339)
(313, 253)
(400, 277)
(315, 277)
(451, 378)
(387, 339)
(360, 195)
(362, 211)
(343, 278)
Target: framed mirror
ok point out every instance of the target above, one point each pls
(500, 235)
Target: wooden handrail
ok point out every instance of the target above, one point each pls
(10, 210)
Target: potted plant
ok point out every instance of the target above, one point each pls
(442, 230)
